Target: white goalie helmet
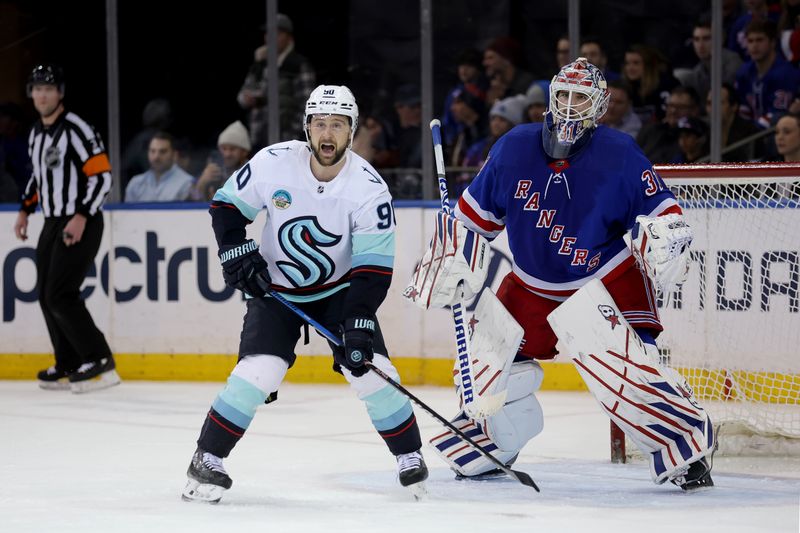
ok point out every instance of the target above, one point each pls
(332, 100)
(578, 98)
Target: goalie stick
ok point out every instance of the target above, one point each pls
(522, 477)
(466, 371)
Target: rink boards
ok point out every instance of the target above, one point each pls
(171, 317)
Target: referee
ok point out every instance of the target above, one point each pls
(71, 178)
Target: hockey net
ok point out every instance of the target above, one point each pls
(733, 329)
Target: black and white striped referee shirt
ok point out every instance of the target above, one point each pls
(71, 171)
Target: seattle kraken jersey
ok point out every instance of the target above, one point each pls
(318, 235)
(565, 219)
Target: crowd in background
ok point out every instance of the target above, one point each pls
(666, 109)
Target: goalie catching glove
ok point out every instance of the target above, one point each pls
(245, 269)
(454, 267)
(661, 245)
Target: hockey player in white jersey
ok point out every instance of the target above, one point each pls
(328, 247)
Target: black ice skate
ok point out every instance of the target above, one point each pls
(698, 475)
(412, 472)
(53, 379)
(94, 376)
(207, 478)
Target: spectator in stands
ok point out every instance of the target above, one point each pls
(470, 112)
(470, 71)
(787, 137)
(165, 181)
(504, 115)
(699, 78)
(408, 140)
(296, 79)
(731, 11)
(734, 128)
(233, 152)
(659, 141)
(186, 156)
(592, 49)
(620, 115)
(501, 61)
(536, 103)
(756, 10)
(787, 141)
(563, 56)
(373, 142)
(156, 116)
(646, 74)
(766, 84)
(789, 31)
(692, 140)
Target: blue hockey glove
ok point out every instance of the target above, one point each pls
(357, 336)
(244, 268)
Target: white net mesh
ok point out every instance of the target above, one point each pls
(733, 329)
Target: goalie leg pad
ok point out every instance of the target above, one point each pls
(503, 434)
(651, 403)
(482, 374)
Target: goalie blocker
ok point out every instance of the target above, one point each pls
(653, 404)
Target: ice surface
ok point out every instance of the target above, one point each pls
(115, 461)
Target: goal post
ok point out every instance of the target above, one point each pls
(733, 329)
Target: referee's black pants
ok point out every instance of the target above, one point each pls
(61, 271)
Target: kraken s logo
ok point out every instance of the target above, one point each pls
(301, 239)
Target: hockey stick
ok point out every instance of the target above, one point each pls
(522, 477)
(462, 341)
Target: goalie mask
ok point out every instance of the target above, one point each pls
(332, 100)
(578, 98)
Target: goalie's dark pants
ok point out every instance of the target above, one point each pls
(632, 292)
(60, 271)
(272, 328)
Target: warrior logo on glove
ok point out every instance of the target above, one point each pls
(245, 269)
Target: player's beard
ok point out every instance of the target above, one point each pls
(337, 156)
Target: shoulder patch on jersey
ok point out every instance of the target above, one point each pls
(374, 177)
(281, 199)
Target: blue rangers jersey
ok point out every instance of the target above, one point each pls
(566, 219)
(319, 237)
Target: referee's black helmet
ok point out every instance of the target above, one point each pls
(46, 74)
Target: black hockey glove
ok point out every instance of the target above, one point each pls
(243, 268)
(357, 339)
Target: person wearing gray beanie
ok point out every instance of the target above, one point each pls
(511, 109)
(233, 150)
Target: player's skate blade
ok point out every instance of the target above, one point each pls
(418, 490)
(201, 492)
(207, 478)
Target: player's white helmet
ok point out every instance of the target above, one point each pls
(332, 100)
(578, 98)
